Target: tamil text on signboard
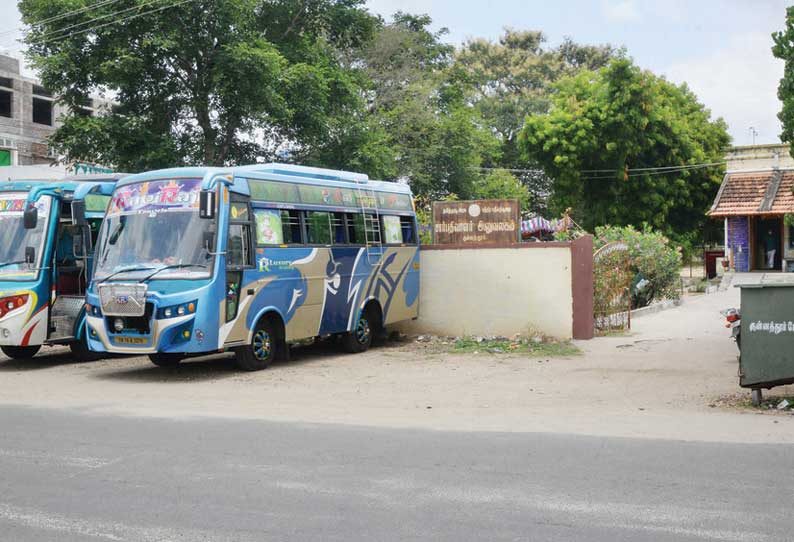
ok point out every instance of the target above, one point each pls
(481, 222)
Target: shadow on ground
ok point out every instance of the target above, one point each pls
(222, 366)
(43, 361)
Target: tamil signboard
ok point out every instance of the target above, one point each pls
(480, 222)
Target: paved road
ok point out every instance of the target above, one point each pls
(69, 476)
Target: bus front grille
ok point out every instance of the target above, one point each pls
(120, 299)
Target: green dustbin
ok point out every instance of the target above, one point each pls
(767, 346)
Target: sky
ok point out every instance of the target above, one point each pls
(720, 48)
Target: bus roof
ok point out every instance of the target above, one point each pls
(94, 177)
(22, 185)
(276, 172)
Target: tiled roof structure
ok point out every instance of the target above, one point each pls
(755, 193)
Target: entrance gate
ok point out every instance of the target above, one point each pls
(612, 288)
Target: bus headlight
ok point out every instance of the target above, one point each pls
(118, 325)
(177, 310)
(7, 304)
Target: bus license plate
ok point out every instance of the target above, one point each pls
(130, 340)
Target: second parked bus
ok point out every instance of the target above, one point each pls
(47, 234)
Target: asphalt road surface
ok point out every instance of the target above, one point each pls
(69, 476)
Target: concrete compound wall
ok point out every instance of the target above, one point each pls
(505, 290)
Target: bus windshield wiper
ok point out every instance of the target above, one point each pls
(175, 266)
(12, 263)
(124, 271)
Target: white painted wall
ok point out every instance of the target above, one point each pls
(495, 291)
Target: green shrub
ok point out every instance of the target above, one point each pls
(654, 264)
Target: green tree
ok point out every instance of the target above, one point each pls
(501, 184)
(433, 136)
(513, 78)
(207, 81)
(784, 50)
(602, 132)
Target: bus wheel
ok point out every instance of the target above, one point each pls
(360, 338)
(258, 355)
(165, 360)
(80, 350)
(20, 352)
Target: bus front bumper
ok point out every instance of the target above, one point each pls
(166, 335)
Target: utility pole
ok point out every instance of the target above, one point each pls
(753, 133)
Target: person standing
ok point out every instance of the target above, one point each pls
(770, 246)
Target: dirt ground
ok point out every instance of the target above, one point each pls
(657, 382)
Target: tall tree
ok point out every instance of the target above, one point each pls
(602, 132)
(426, 127)
(513, 78)
(784, 50)
(202, 81)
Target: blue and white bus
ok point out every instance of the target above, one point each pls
(193, 261)
(47, 234)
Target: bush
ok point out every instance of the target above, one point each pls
(655, 265)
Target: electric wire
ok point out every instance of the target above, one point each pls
(61, 16)
(615, 173)
(67, 32)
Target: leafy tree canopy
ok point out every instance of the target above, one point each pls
(604, 127)
(432, 136)
(784, 50)
(513, 78)
(212, 82)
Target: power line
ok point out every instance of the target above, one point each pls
(653, 168)
(512, 170)
(638, 172)
(654, 171)
(83, 31)
(61, 16)
(64, 32)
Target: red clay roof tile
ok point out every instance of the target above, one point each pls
(742, 194)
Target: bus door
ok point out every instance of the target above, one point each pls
(73, 244)
(239, 253)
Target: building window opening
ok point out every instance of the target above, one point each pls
(5, 103)
(42, 111)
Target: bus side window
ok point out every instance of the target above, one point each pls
(338, 228)
(238, 247)
(392, 230)
(355, 228)
(291, 224)
(409, 231)
(318, 228)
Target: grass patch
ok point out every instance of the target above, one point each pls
(545, 348)
(743, 401)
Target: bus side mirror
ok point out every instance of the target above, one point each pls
(30, 255)
(78, 213)
(30, 217)
(207, 204)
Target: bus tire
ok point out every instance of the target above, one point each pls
(20, 352)
(360, 339)
(81, 352)
(260, 353)
(165, 360)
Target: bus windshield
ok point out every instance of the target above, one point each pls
(14, 238)
(154, 226)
